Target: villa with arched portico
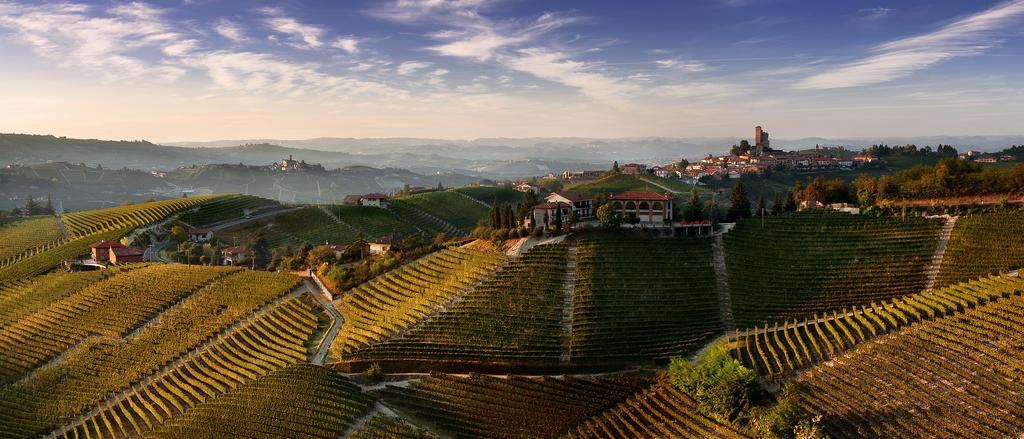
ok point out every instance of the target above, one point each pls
(643, 207)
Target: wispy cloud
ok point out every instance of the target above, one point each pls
(411, 67)
(228, 29)
(967, 36)
(348, 44)
(410, 11)
(101, 41)
(559, 67)
(685, 66)
(873, 14)
(300, 35)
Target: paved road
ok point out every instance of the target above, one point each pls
(332, 333)
(236, 222)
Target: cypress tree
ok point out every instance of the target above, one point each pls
(494, 214)
(740, 204)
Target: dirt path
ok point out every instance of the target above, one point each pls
(722, 283)
(666, 188)
(60, 224)
(569, 287)
(940, 250)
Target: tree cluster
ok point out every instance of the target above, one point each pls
(911, 150)
(948, 178)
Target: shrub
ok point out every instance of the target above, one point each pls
(723, 388)
(374, 372)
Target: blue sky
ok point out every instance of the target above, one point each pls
(212, 69)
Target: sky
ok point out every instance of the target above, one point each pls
(462, 69)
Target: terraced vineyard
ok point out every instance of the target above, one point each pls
(658, 411)
(957, 376)
(110, 308)
(788, 346)
(224, 208)
(423, 220)
(453, 208)
(309, 224)
(98, 367)
(639, 299)
(23, 297)
(384, 427)
(373, 221)
(482, 406)
(89, 222)
(27, 236)
(799, 264)
(42, 262)
(300, 401)
(983, 244)
(187, 391)
(394, 302)
(489, 194)
(514, 316)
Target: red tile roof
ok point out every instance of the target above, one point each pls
(375, 197)
(640, 196)
(106, 244)
(236, 250)
(572, 196)
(550, 205)
(352, 198)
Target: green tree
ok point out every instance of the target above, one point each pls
(693, 208)
(778, 205)
(865, 188)
(510, 218)
(30, 205)
(319, 255)
(608, 217)
(761, 209)
(723, 388)
(493, 214)
(740, 204)
(556, 224)
(178, 234)
(683, 163)
(261, 249)
(358, 247)
(615, 167)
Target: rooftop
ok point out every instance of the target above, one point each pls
(106, 243)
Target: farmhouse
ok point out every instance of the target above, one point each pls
(101, 250)
(384, 244)
(375, 200)
(580, 204)
(199, 235)
(352, 200)
(122, 255)
(235, 255)
(644, 207)
(544, 214)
